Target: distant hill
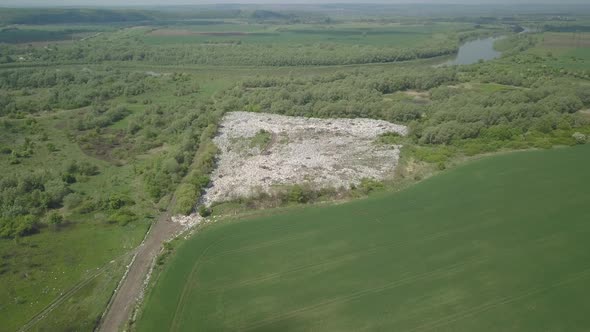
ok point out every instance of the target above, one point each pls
(57, 16)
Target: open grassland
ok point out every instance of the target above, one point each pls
(496, 245)
(565, 50)
(566, 39)
(63, 279)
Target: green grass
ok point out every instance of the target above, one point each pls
(375, 35)
(38, 269)
(565, 50)
(492, 87)
(261, 139)
(499, 244)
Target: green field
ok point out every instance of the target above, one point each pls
(563, 50)
(387, 35)
(499, 244)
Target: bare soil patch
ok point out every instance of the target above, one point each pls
(131, 288)
(331, 153)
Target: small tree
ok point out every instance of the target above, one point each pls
(55, 219)
(204, 211)
(580, 138)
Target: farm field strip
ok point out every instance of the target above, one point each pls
(384, 248)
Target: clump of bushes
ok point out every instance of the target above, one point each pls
(167, 249)
(368, 185)
(122, 217)
(18, 226)
(204, 211)
(54, 219)
(198, 179)
(261, 139)
(580, 138)
(25, 199)
(390, 138)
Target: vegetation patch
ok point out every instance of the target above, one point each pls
(324, 267)
(261, 140)
(566, 40)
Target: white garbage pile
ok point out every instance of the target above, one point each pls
(325, 152)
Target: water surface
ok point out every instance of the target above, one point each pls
(475, 50)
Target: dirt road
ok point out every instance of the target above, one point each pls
(125, 299)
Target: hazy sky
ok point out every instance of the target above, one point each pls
(14, 3)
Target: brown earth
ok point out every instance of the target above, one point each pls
(131, 287)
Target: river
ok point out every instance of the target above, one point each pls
(475, 50)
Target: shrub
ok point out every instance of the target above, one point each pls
(85, 168)
(72, 200)
(580, 138)
(54, 192)
(54, 218)
(433, 155)
(18, 226)
(166, 251)
(51, 147)
(186, 196)
(390, 138)
(300, 194)
(368, 185)
(5, 150)
(68, 178)
(204, 211)
(116, 201)
(88, 206)
(261, 139)
(122, 217)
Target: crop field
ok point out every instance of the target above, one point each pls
(387, 35)
(567, 40)
(566, 49)
(28, 34)
(514, 258)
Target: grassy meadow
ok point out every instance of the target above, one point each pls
(565, 50)
(495, 245)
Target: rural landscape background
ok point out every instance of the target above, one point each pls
(294, 166)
